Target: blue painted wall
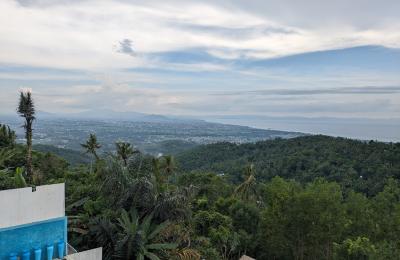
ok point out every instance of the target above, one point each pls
(29, 236)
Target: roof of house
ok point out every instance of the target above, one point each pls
(245, 257)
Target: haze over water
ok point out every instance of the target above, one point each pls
(386, 130)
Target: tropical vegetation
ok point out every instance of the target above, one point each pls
(311, 197)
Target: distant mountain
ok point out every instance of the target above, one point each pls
(44, 114)
(97, 114)
(105, 114)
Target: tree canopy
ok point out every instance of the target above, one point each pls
(312, 197)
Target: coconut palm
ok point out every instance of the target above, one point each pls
(136, 237)
(91, 146)
(124, 151)
(247, 189)
(26, 109)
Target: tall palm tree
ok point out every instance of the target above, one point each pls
(91, 146)
(247, 189)
(124, 151)
(156, 172)
(169, 164)
(135, 238)
(26, 109)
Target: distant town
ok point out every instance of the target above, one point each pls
(151, 137)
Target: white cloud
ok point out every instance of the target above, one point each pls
(86, 34)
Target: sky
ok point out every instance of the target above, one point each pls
(310, 58)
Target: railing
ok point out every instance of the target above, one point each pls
(71, 250)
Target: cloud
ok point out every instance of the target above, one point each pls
(126, 46)
(317, 14)
(191, 57)
(237, 33)
(368, 90)
(371, 102)
(82, 34)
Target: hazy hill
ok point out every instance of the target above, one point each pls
(107, 114)
(71, 156)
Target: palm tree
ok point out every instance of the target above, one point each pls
(169, 164)
(135, 237)
(174, 205)
(5, 154)
(91, 146)
(187, 254)
(156, 172)
(7, 136)
(26, 109)
(124, 151)
(168, 167)
(156, 166)
(104, 233)
(247, 189)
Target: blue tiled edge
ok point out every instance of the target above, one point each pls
(28, 236)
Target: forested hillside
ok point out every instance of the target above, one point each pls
(357, 165)
(336, 199)
(71, 156)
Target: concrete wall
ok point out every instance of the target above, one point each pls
(23, 206)
(94, 254)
